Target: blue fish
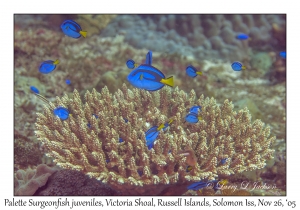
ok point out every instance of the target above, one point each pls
(151, 136)
(283, 54)
(189, 168)
(223, 161)
(149, 78)
(153, 132)
(89, 125)
(96, 116)
(61, 112)
(68, 82)
(131, 64)
(72, 29)
(149, 58)
(192, 71)
(192, 118)
(199, 185)
(34, 89)
(120, 140)
(125, 120)
(242, 36)
(237, 66)
(166, 125)
(47, 67)
(140, 172)
(107, 161)
(195, 109)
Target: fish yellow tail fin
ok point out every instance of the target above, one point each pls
(169, 81)
(83, 33)
(199, 72)
(243, 67)
(223, 182)
(56, 62)
(160, 127)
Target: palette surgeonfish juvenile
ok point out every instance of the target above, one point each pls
(237, 66)
(131, 64)
(189, 168)
(34, 89)
(192, 118)
(48, 66)
(282, 54)
(151, 136)
(96, 116)
(213, 184)
(191, 71)
(149, 78)
(61, 112)
(242, 36)
(202, 184)
(68, 82)
(153, 132)
(89, 124)
(72, 29)
(166, 125)
(195, 109)
(223, 161)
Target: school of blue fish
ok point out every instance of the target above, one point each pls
(143, 76)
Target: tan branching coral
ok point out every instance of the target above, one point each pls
(90, 143)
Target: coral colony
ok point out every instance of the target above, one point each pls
(223, 133)
(149, 111)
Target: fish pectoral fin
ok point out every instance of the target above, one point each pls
(141, 77)
(83, 33)
(169, 81)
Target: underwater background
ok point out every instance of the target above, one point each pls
(208, 42)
